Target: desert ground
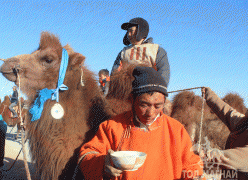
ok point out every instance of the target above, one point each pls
(12, 148)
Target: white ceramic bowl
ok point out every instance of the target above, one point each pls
(128, 160)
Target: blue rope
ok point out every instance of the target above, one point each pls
(2, 121)
(53, 94)
(62, 71)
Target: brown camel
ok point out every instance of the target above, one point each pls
(187, 107)
(8, 116)
(54, 142)
(234, 100)
(6, 113)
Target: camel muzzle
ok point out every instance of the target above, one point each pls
(10, 69)
(10, 65)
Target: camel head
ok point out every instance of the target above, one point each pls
(235, 101)
(40, 69)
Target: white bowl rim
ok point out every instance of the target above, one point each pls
(128, 153)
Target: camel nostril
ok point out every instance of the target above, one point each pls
(15, 70)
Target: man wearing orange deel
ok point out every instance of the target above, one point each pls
(145, 129)
(104, 80)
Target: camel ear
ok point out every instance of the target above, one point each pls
(49, 40)
(77, 59)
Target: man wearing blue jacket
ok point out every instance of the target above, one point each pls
(14, 101)
(140, 50)
(3, 130)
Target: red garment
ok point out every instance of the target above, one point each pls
(166, 143)
(104, 82)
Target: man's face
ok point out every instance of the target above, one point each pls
(14, 88)
(101, 77)
(131, 34)
(147, 106)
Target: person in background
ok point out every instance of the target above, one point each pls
(140, 50)
(104, 80)
(3, 130)
(14, 101)
(235, 155)
(147, 129)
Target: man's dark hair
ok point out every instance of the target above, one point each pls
(103, 72)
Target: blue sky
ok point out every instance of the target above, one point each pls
(206, 40)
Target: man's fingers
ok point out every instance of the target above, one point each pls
(108, 160)
(112, 171)
(224, 158)
(215, 154)
(115, 171)
(110, 151)
(109, 169)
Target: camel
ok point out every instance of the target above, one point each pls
(8, 116)
(234, 100)
(187, 107)
(54, 142)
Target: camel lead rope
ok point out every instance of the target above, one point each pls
(3, 109)
(185, 89)
(203, 97)
(22, 136)
(82, 79)
(19, 99)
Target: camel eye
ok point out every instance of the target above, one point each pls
(48, 61)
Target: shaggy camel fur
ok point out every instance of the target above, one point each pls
(120, 89)
(186, 108)
(54, 143)
(236, 101)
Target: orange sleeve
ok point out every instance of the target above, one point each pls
(92, 154)
(192, 164)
